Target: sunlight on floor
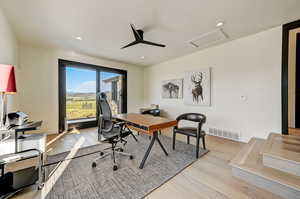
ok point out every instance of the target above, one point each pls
(75, 131)
(56, 138)
(60, 169)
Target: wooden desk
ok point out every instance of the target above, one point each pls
(30, 126)
(31, 147)
(147, 124)
(34, 141)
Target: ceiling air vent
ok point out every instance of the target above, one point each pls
(209, 38)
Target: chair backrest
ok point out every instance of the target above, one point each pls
(105, 123)
(154, 112)
(194, 117)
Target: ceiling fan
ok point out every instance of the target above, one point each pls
(139, 38)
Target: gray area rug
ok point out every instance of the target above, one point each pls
(80, 181)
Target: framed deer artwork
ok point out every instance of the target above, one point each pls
(172, 88)
(197, 87)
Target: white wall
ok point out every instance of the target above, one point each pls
(8, 53)
(250, 66)
(39, 88)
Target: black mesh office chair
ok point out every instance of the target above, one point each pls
(190, 131)
(111, 132)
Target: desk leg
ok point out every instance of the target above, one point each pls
(154, 137)
(2, 169)
(148, 150)
(16, 142)
(162, 147)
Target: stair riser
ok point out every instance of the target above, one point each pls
(272, 186)
(287, 166)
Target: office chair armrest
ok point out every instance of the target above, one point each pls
(120, 124)
(121, 129)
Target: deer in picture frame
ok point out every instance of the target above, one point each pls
(198, 89)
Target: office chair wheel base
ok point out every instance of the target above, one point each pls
(94, 164)
(101, 153)
(131, 157)
(115, 167)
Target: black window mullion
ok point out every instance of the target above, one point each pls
(98, 82)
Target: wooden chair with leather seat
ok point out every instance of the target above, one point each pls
(198, 133)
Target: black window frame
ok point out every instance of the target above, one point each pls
(62, 64)
(285, 74)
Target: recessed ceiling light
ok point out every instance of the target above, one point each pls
(220, 24)
(142, 57)
(78, 38)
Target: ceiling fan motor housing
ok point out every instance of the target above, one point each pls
(141, 33)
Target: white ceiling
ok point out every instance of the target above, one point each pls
(104, 24)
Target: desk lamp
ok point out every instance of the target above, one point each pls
(7, 86)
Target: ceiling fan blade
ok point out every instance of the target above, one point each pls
(135, 33)
(131, 44)
(153, 44)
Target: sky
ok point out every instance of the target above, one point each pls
(84, 81)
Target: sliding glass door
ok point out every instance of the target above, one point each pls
(112, 84)
(80, 94)
(79, 85)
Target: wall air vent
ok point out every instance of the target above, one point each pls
(224, 134)
(209, 38)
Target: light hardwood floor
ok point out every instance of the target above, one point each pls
(208, 177)
(293, 131)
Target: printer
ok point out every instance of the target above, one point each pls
(17, 118)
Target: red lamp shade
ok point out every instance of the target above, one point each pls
(7, 79)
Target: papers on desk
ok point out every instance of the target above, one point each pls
(12, 158)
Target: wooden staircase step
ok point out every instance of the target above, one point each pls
(282, 152)
(248, 166)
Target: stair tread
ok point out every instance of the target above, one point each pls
(250, 159)
(286, 147)
(240, 157)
